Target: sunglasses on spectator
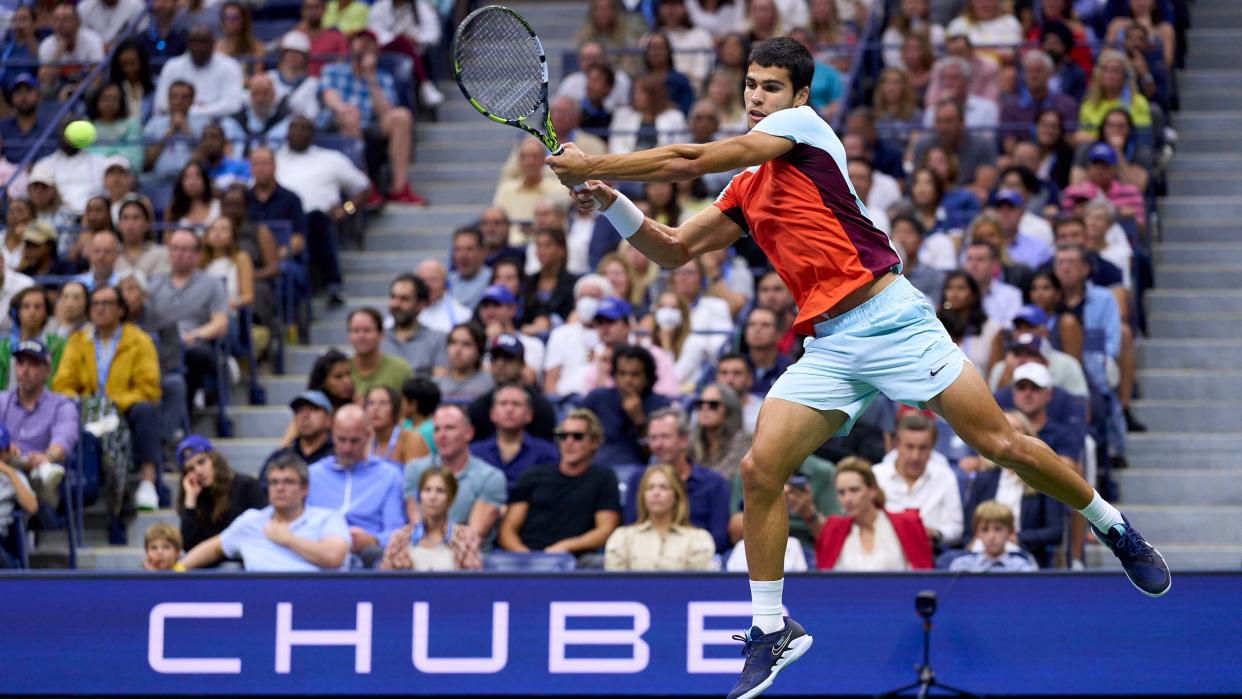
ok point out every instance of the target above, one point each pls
(562, 435)
(710, 404)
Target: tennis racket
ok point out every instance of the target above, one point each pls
(500, 66)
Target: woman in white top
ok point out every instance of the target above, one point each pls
(651, 119)
(718, 17)
(434, 543)
(193, 203)
(224, 260)
(138, 247)
(994, 32)
(19, 214)
(915, 16)
(411, 28)
(694, 50)
(867, 538)
(661, 538)
(709, 315)
(671, 318)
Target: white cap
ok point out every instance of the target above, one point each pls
(295, 41)
(117, 161)
(1034, 372)
(42, 175)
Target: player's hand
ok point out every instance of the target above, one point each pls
(594, 195)
(570, 166)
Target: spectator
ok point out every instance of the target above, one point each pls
(512, 449)
(1039, 521)
(161, 545)
(70, 49)
(601, 84)
(1095, 308)
(391, 441)
(163, 332)
(621, 277)
(15, 177)
(51, 208)
(1102, 182)
(165, 35)
(827, 83)
(422, 397)
(259, 245)
(223, 260)
(651, 120)
(120, 183)
(722, 91)
(661, 537)
(907, 235)
(435, 542)
(363, 100)
(482, 486)
(972, 150)
(1064, 328)
(1070, 52)
(289, 535)
(549, 295)
(707, 493)
(69, 315)
(567, 120)
(986, 23)
(759, 340)
(172, 136)
(673, 335)
(19, 131)
(1146, 16)
(868, 537)
(517, 195)
(312, 441)
(914, 19)
(470, 273)
(927, 198)
(571, 346)
(1035, 94)
(237, 39)
(1135, 160)
(1000, 300)
(15, 493)
(39, 249)
(709, 315)
(292, 82)
(410, 28)
(610, 27)
(1026, 247)
(77, 174)
(200, 12)
(897, 111)
(366, 489)
(422, 348)
(970, 326)
(212, 495)
(508, 366)
(194, 204)
(370, 366)
(44, 424)
(222, 170)
(735, 371)
(326, 43)
(117, 131)
(612, 324)
(266, 200)
(729, 278)
(104, 250)
(216, 77)
(1109, 249)
(30, 310)
(993, 531)
(332, 375)
(19, 41)
(11, 282)
(114, 358)
(139, 250)
(496, 311)
(953, 79)
(719, 442)
(466, 380)
(1112, 85)
(623, 409)
(915, 476)
(346, 15)
(577, 85)
(1030, 343)
(442, 311)
(1150, 67)
(572, 507)
(318, 176)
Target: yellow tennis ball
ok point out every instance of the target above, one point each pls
(80, 134)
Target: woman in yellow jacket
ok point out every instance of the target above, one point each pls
(122, 358)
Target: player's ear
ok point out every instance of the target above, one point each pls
(802, 96)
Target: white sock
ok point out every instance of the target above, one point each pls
(765, 605)
(1103, 515)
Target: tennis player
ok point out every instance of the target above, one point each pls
(870, 330)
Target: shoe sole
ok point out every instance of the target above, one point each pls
(797, 648)
(1163, 592)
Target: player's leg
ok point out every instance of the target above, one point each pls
(972, 412)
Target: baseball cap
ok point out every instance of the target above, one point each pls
(365, 32)
(1031, 315)
(499, 293)
(315, 398)
(295, 41)
(1008, 196)
(507, 345)
(118, 161)
(5, 438)
(191, 446)
(1034, 372)
(39, 233)
(613, 308)
(34, 349)
(42, 175)
(23, 79)
(1027, 342)
(1101, 152)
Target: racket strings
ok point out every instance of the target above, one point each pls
(500, 66)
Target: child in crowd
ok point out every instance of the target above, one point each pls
(993, 549)
(162, 543)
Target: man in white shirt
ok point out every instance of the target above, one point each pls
(1001, 301)
(915, 476)
(470, 276)
(442, 311)
(591, 53)
(955, 74)
(318, 176)
(291, 76)
(69, 44)
(109, 17)
(217, 78)
(77, 174)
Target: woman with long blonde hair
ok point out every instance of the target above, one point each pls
(1112, 85)
(661, 538)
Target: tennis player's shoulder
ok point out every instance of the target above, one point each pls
(799, 124)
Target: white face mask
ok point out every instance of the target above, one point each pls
(668, 318)
(587, 307)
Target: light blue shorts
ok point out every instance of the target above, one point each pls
(892, 344)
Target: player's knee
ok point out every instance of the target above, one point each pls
(758, 478)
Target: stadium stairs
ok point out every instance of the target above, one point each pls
(456, 167)
(1184, 484)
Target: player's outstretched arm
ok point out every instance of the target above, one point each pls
(667, 246)
(671, 163)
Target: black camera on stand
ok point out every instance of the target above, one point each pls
(925, 605)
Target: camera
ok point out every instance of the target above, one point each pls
(925, 603)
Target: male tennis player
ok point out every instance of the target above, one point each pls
(871, 330)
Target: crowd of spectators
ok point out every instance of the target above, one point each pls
(544, 387)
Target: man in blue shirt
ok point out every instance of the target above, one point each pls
(365, 489)
(623, 409)
(512, 449)
(707, 492)
(268, 201)
(286, 536)
(19, 131)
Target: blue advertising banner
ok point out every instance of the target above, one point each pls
(595, 634)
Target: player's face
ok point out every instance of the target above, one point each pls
(769, 90)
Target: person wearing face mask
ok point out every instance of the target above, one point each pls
(673, 335)
(570, 345)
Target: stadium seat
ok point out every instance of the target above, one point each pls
(508, 561)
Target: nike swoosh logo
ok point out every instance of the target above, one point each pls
(937, 371)
(782, 644)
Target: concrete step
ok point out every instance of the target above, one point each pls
(112, 557)
(1189, 384)
(299, 360)
(1200, 229)
(1193, 300)
(466, 172)
(1198, 276)
(1189, 444)
(247, 455)
(467, 134)
(1199, 60)
(1198, 486)
(441, 219)
(1199, 121)
(368, 284)
(1211, 98)
(1211, 79)
(1198, 254)
(383, 260)
(1201, 163)
(1187, 524)
(143, 520)
(267, 422)
(1195, 325)
(393, 232)
(1216, 17)
(1180, 557)
(330, 332)
(478, 194)
(339, 314)
(1208, 142)
(1159, 353)
(1188, 415)
(1213, 184)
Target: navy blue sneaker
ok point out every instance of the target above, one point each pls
(1144, 565)
(766, 655)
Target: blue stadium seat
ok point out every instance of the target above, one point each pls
(509, 561)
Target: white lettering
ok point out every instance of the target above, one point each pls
(698, 637)
(189, 610)
(560, 637)
(359, 637)
(475, 666)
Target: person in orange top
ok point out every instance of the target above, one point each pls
(872, 330)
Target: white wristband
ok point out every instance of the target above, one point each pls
(624, 216)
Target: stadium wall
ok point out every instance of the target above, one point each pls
(595, 634)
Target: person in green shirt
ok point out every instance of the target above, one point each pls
(346, 16)
(31, 309)
(422, 397)
(370, 367)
